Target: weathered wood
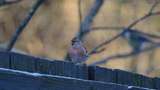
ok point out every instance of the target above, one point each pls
(21, 81)
(33, 64)
(22, 62)
(4, 59)
(42, 66)
(68, 69)
(133, 79)
(62, 68)
(102, 74)
(81, 71)
(157, 83)
(17, 81)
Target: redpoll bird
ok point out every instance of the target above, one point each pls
(77, 52)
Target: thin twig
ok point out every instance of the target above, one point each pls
(94, 50)
(153, 6)
(155, 13)
(106, 28)
(146, 34)
(79, 11)
(143, 18)
(124, 55)
(149, 14)
(23, 24)
(122, 28)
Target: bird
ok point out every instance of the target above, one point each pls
(135, 39)
(77, 53)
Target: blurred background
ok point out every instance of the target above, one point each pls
(56, 22)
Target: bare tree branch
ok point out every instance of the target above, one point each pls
(8, 2)
(146, 34)
(86, 23)
(107, 28)
(124, 55)
(94, 50)
(79, 11)
(149, 14)
(153, 6)
(23, 24)
(122, 28)
(143, 18)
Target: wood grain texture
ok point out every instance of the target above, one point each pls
(66, 74)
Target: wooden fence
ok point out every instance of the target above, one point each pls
(23, 72)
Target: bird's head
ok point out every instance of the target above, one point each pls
(76, 41)
(127, 33)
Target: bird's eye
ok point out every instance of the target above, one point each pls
(73, 42)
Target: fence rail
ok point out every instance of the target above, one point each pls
(60, 75)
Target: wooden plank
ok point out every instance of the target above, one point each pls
(157, 83)
(68, 69)
(4, 59)
(22, 62)
(102, 74)
(61, 68)
(97, 86)
(42, 66)
(133, 79)
(17, 81)
(81, 71)
(61, 84)
(32, 64)
(27, 81)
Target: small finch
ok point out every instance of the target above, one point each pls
(77, 52)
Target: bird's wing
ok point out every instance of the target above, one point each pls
(82, 51)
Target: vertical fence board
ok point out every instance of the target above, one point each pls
(102, 74)
(42, 66)
(81, 71)
(68, 69)
(133, 79)
(4, 59)
(107, 87)
(61, 68)
(22, 62)
(157, 83)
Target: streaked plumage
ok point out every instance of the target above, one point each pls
(77, 52)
